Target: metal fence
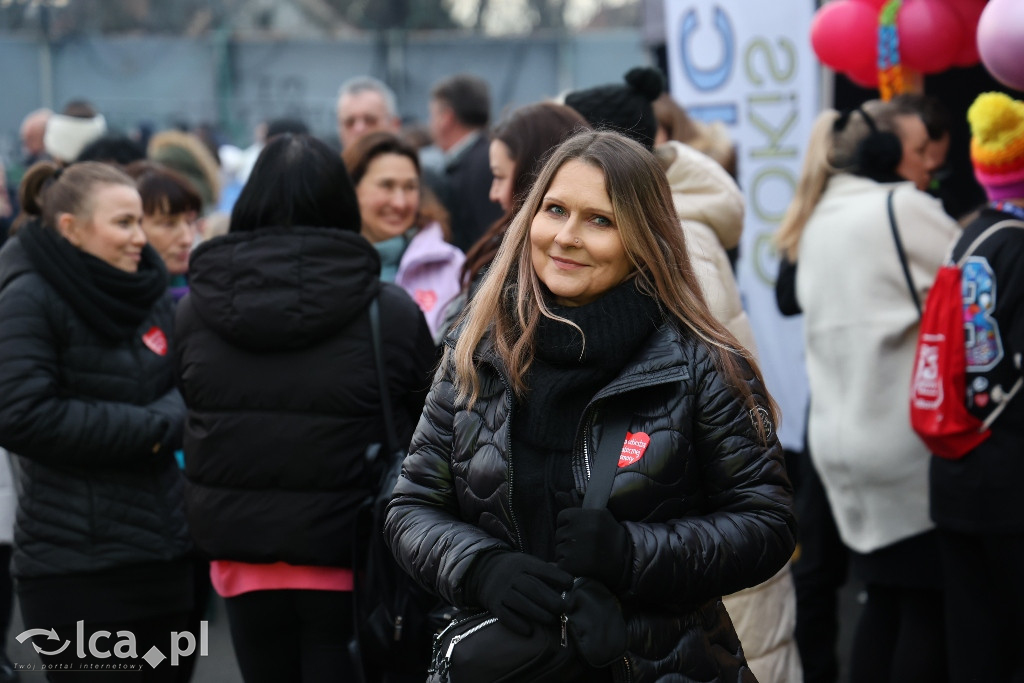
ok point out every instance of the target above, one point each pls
(236, 83)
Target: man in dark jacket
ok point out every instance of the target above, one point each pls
(460, 107)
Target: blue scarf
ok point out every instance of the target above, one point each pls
(391, 252)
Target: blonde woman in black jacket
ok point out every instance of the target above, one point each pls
(592, 311)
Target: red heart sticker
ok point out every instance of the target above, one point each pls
(156, 340)
(426, 298)
(633, 448)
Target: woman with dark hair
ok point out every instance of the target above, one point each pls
(591, 315)
(89, 406)
(171, 207)
(277, 369)
(404, 223)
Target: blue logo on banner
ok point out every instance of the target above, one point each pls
(716, 76)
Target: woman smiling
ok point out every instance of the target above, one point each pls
(403, 224)
(89, 406)
(591, 315)
(574, 245)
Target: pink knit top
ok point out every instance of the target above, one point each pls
(234, 578)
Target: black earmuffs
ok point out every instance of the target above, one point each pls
(879, 154)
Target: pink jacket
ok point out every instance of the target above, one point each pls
(429, 272)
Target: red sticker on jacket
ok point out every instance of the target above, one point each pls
(156, 340)
(426, 298)
(633, 448)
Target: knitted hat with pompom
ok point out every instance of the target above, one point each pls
(997, 144)
(625, 108)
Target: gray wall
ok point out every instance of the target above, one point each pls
(238, 83)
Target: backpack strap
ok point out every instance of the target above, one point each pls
(1010, 223)
(1015, 389)
(390, 434)
(994, 415)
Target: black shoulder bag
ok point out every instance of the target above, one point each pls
(394, 618)
(475, 647)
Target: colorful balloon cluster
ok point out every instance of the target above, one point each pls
(1001, 41)
(933, 35)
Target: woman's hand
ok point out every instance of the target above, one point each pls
(519, 589)
(593, 543)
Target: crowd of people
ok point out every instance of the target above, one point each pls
(191, 389)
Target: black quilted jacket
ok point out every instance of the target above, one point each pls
(95, 425)
(708, 507)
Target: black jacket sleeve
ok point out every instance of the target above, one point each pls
(423, 526)
(39, 420)
(748, 532)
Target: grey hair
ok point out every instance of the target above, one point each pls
(358, 84)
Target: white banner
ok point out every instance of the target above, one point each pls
(749, 64)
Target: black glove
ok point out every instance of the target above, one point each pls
(593, 543)
(518, 589)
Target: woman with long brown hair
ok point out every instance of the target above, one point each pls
(591, 314)
(519, 146)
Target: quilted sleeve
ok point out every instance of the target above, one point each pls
(423, 525)
(41, 421)
(747, 532)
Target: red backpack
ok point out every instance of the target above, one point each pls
(938, 392)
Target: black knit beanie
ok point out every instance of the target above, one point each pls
(626, 108)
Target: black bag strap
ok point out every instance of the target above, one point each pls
(902, 254)
(391, 436)
(359, 553)
(605, 462)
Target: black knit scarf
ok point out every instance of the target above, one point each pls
(112, 301)
(566, 373)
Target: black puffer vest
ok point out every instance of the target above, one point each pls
(708, 506)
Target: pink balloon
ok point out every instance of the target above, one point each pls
(844, 35)
(864, 77)
(930, 35)
(969, 11)
(1001, 41)
(873, 4)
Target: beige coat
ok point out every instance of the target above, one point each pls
(860, 328)
(710, 208)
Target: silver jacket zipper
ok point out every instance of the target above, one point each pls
(462, 636)
(564, 619)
